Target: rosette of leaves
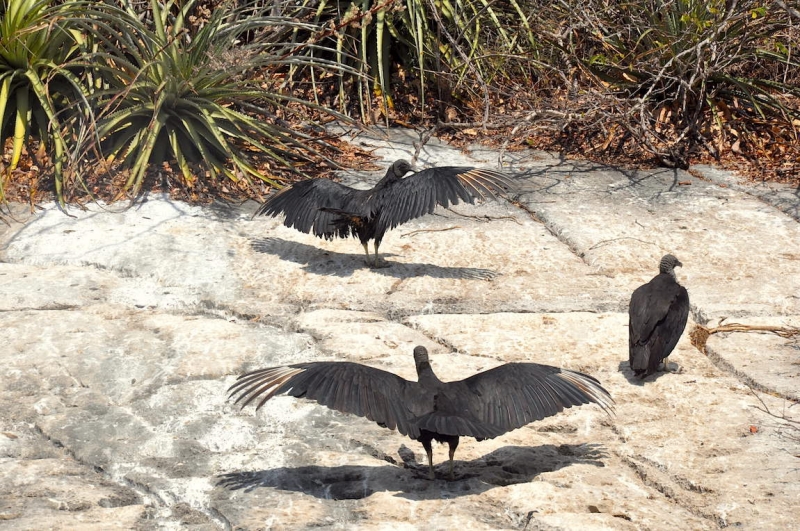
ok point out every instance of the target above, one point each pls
(39, 78)
(194, 97)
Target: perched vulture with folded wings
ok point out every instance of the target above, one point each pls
(657, 317)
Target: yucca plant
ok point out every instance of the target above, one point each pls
(194, 98)
(458, 38)
(39, 78)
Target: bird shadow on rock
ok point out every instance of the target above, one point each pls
(505, 466)
(328, 263)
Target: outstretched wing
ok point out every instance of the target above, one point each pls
(418, 194)
(515, 394)
(378, 395)
(301, 204)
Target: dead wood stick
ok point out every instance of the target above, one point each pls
(428, 230)
(700, 334)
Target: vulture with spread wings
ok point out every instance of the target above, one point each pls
(328, 209)
(483, 406)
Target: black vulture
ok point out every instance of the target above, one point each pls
(657, 317)
(328, 209)
(483, 406)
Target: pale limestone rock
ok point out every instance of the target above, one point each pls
(122, 332)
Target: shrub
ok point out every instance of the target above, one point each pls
(198, 97)
(456, 45)
(678, 68)
(41, 85)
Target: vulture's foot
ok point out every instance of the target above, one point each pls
(670, 367)
(379, 264)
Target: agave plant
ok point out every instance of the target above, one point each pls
(39, 80)
(193, 98)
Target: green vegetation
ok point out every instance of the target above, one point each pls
(429, 38)
(110, 85)
(220, 89)
(193, 97)
(40, 83)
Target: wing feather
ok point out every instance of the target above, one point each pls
(301, 204)
(515, 394)
(348, 387)
(658, 313)
(676, 319)
(420, 193)
(650, 304)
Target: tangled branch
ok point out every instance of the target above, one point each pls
(700, 334)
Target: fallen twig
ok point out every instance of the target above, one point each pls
(700, 334)
(428, 230)
(766, 409)
(485, 218)
(602, 242)
(790, 423)
(424, 136)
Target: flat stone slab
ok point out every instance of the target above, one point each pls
(765, 360)
(124, 328)
(440, 263)
(785, 198)
(624, 221)
(655, 418)
(156, 243)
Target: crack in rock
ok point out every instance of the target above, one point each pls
(156, 505)
(660, 480)
(725, 366)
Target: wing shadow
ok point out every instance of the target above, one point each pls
(505, 466)
(329, 263)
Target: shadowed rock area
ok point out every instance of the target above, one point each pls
(123, 329)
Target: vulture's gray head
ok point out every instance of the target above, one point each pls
(400, 168)
(668, 264)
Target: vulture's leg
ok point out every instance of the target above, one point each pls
(366, 250)
(665, 361)
(378, 261)
(453, 443)
(429, 450)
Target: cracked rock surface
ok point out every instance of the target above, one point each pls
(123, 328)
